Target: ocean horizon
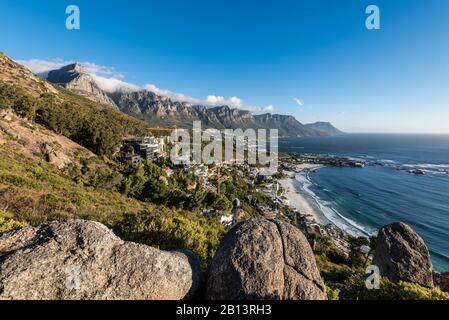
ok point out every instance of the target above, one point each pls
(388, 189)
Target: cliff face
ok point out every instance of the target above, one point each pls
(75, 79)
(162, 110)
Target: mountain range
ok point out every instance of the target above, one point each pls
(163, 111)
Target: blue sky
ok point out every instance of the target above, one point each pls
(266, 53)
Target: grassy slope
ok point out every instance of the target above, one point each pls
(33, 192)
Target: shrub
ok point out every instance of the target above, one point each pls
(326, 247)
(7, 224)
(173, 231)
(355, 289)
(332, 293)
(19, 181)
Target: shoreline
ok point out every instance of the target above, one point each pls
(315, 221)
(297, 200)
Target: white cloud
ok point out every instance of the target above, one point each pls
(40, 66)
(298, 102)
(173, 96)
(99, 70)
(269, 109)
(110, 80)
(233, 102)
(210, 100)
(113, 84)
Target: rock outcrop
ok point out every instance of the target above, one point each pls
(74, 78)
(261, 259)
(401, 254)
(56, 157)
(85, 260)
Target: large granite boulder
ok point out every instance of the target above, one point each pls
(401, 254)
(85, 260)
(263, 259)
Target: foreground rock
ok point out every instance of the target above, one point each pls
(85, 260)
(401, 254)
(261, 259)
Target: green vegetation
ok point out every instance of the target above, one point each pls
(238, 188)
(34, 192)
(345, 276)
(8, 224)
(98, 128)
(171, 230)
(354, 288)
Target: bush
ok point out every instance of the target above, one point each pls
(332, 294)
(355, 289)
(19, 181)
(326, 247)
(173, 231)
(7, 224)
(16, 99)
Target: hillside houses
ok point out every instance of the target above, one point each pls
(137, 149)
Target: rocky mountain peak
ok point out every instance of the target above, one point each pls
(74, 77)
(66, 74)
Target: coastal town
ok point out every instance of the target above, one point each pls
(280, 198)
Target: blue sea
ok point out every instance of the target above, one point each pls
(361, 200)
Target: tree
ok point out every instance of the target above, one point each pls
(217, 201)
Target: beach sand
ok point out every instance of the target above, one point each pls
(309, 208)
(299, 201)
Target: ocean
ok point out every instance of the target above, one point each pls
(361, 200)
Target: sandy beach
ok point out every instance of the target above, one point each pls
(300, 202)
(307, 207)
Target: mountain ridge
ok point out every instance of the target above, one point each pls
(161, 110)
(157, 109)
